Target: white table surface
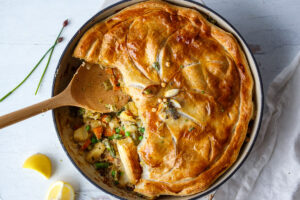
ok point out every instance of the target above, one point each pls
(28, 28)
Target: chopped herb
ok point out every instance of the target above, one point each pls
(141, 137)
(117, 130)
(117, 136)
(113, 173)
(116, 182)
(111, 107)
(80, 111)
(155, 65)
(202, 91)
(127, 133)
(101, 165)
(192, 128)
(142, 129)
(94, 140)
(87, 127)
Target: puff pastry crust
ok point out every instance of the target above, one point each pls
(158, 45)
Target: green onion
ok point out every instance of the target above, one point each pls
(49, 58)
(141, 137)
(94, 140)
(87, 127)
(155, 65)
(142, 129)
(101, 165)
(127, 133)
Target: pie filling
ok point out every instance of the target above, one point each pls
(191, 100)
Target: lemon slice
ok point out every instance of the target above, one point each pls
(40, 163)
(60, 191)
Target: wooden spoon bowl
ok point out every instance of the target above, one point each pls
(85, 90)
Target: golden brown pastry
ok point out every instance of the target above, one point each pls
(192, 86)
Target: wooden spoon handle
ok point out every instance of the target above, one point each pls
(30, 111)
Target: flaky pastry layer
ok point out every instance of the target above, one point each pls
(191, 137)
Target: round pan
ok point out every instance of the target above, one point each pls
(62, 116)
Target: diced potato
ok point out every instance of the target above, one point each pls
(126, 116)
(130, 127)
(95, 154)
(95, 123)
(132, 108)
(113, 124)
(129, 159)
(81, 134)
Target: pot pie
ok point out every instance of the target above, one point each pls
(191, 100)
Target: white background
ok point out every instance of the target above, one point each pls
(28, 29)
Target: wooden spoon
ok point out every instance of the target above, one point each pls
(85, 90)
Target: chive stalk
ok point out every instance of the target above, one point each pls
(34, 68)
(58, 39)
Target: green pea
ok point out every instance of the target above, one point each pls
(127, 133)
(87, 127)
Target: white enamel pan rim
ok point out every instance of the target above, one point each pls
(258, 88)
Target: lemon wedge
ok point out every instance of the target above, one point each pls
(60, 191)
(40, 163)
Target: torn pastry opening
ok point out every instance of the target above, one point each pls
(109, 140)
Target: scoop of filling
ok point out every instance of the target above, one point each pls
(110, 142)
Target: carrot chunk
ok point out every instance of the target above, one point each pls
(98, 132)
